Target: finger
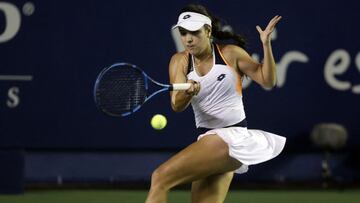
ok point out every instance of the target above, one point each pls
(273, 23)
(190, 91)
(196, 88)
(278, 18)
(275, 19)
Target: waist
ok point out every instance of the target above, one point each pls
(242, 123)
(218, 116)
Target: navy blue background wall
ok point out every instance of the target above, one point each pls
(52, 51)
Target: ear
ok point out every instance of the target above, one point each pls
(209, 33)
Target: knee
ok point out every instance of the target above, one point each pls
(156, 176)
(159, 179)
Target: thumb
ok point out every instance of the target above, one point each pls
(259, 29)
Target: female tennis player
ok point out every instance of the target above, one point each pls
(225, 146)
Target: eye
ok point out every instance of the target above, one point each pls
(182, 32)
(197, 32)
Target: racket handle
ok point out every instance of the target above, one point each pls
(180, 86)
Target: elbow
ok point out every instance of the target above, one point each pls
(270, 84)
(176, 108)
(179, 103)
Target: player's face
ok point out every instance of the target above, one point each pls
(195, 41)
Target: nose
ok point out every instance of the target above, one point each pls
(188, 37)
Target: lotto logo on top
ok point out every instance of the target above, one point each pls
(186, 16)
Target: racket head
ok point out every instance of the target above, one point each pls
(120, 89)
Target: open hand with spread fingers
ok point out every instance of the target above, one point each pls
(265, 35)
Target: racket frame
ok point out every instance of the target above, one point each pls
(147, 80)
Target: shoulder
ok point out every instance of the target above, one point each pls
(231, 51)
(179, 60)
(180, 57)
(232, 54)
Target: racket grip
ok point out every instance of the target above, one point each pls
(180, 86)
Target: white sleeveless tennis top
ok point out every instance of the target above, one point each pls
(219, 102)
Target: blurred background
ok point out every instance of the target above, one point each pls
(52, 135)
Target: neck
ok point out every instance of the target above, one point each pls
(206, 54)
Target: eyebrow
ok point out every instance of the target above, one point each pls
(183, 30)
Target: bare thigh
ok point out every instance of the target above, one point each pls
(212, 189)
(207, 156)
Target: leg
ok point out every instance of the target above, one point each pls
(212, 189)
(203, 158)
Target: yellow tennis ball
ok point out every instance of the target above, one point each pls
(158, 122)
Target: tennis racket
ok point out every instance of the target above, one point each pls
(123, 88)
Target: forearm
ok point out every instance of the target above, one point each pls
(268, 68)
(180, 100)
(178, 74)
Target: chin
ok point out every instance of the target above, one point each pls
(193, 51)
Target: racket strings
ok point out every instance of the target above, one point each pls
(122, 90)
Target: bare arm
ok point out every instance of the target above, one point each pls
(263, 73)
(177, 73)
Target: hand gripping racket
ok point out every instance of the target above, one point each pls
(123, 88)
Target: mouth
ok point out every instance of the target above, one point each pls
(190, 47)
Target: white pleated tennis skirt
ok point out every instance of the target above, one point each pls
(249, 146)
